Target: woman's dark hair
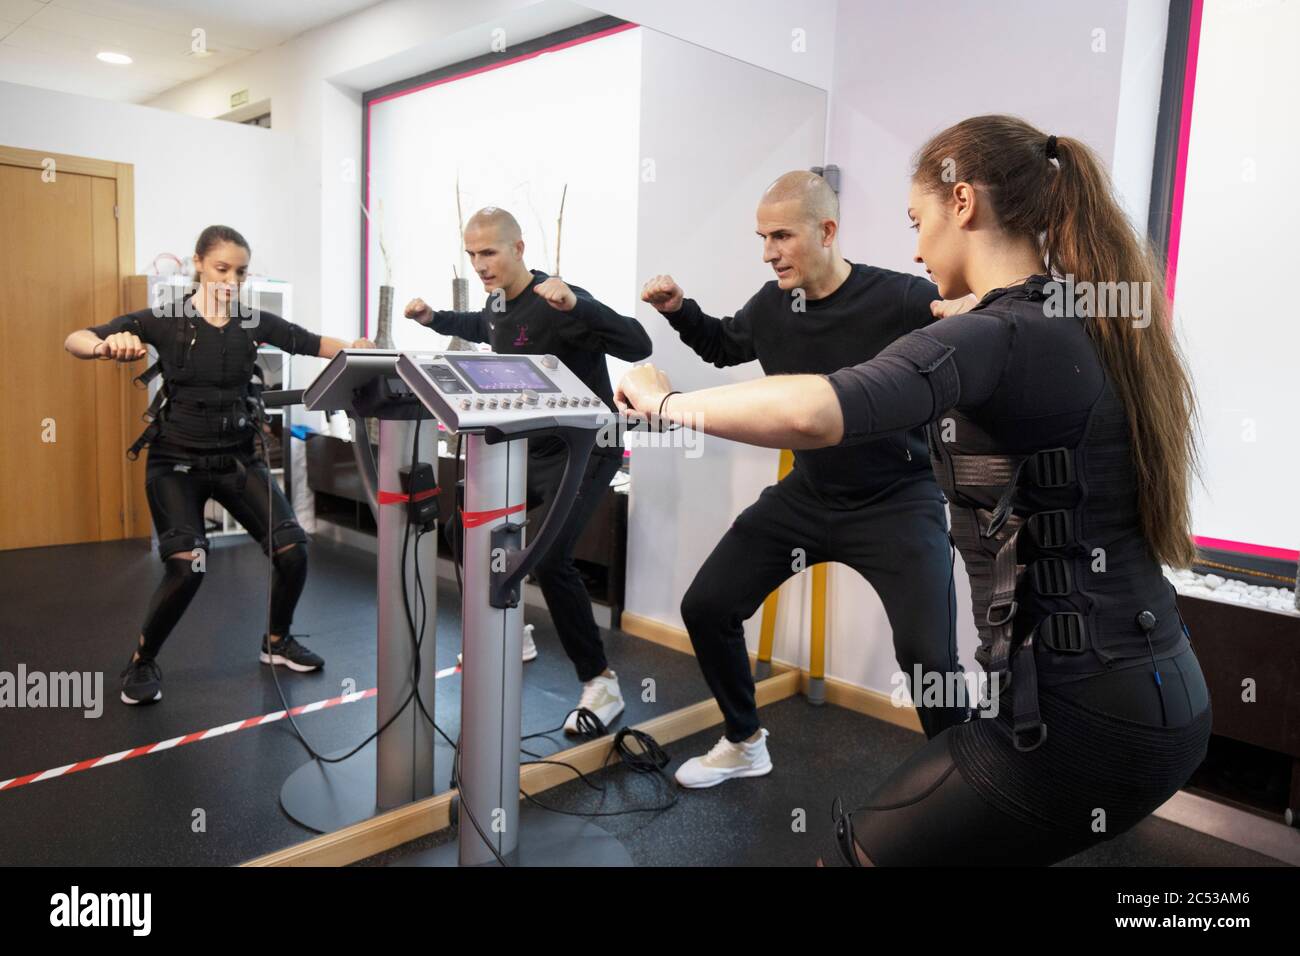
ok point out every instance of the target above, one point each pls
(1068, 209)
(210, 236)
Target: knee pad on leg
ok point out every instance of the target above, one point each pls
(285, 533)
(180, 539)
(291, 562)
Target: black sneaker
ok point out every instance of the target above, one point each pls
(142, 682)
(289, 653)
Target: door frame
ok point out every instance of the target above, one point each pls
(123, 175)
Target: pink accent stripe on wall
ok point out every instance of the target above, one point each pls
(1184, 135)
(1241, 547)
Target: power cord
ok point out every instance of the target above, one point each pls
(260, 421)
(647, 757)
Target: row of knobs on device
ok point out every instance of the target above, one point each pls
(529, 398)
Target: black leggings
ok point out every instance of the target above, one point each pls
(900, 545)
(1112, 755)
(558, 577)
(177, 493)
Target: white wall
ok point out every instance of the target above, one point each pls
(423, 143)
(1139, 107)
(189, 173)
(795, 38)
(717, 131)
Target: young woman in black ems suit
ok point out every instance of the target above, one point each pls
(1062, 434)
(531, 313)
(202, 445)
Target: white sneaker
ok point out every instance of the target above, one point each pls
(530, 648)
(601, 696)
(726, 760)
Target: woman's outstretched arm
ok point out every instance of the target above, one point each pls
(911, 382)
(779, 411)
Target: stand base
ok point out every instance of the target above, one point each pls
(816, 691)
(545, 839)
(329, 796)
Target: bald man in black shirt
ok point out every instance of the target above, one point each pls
(875, 507)
(531, 313)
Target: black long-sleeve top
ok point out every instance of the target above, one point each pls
(580, 338)
(213, 358)
(870, 309)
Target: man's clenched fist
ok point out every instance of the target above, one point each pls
(418, 310)
(557, 294)
(662, 293)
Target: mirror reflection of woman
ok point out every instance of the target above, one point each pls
(1063, 438)
(203, 445)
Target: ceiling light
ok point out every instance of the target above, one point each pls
(117, 59)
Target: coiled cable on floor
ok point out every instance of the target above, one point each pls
(646, 757)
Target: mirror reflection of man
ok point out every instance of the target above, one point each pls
(875, 507)
(530, 313)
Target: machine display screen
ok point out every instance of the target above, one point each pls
(502, 373)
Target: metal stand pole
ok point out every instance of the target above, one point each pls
(398, 767)
(405, 769)
(492, 670)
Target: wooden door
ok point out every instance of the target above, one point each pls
(63, 422)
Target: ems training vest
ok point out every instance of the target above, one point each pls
(1063, 583)
(229, 413)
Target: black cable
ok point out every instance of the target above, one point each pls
(259, 422)
(453, 539)
(648, 758)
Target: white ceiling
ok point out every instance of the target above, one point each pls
(52, 43)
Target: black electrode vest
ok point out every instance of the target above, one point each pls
(238, 410)
(1062, 579)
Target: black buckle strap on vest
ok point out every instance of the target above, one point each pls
(932, 359)
(146, 437)
(1053, 468)
(1063, 632)
(1001, 611)
(1052, 576)
(1027, 728)
(1051, 529)
(148, 375)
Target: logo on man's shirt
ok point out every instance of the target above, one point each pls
(522, 337)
